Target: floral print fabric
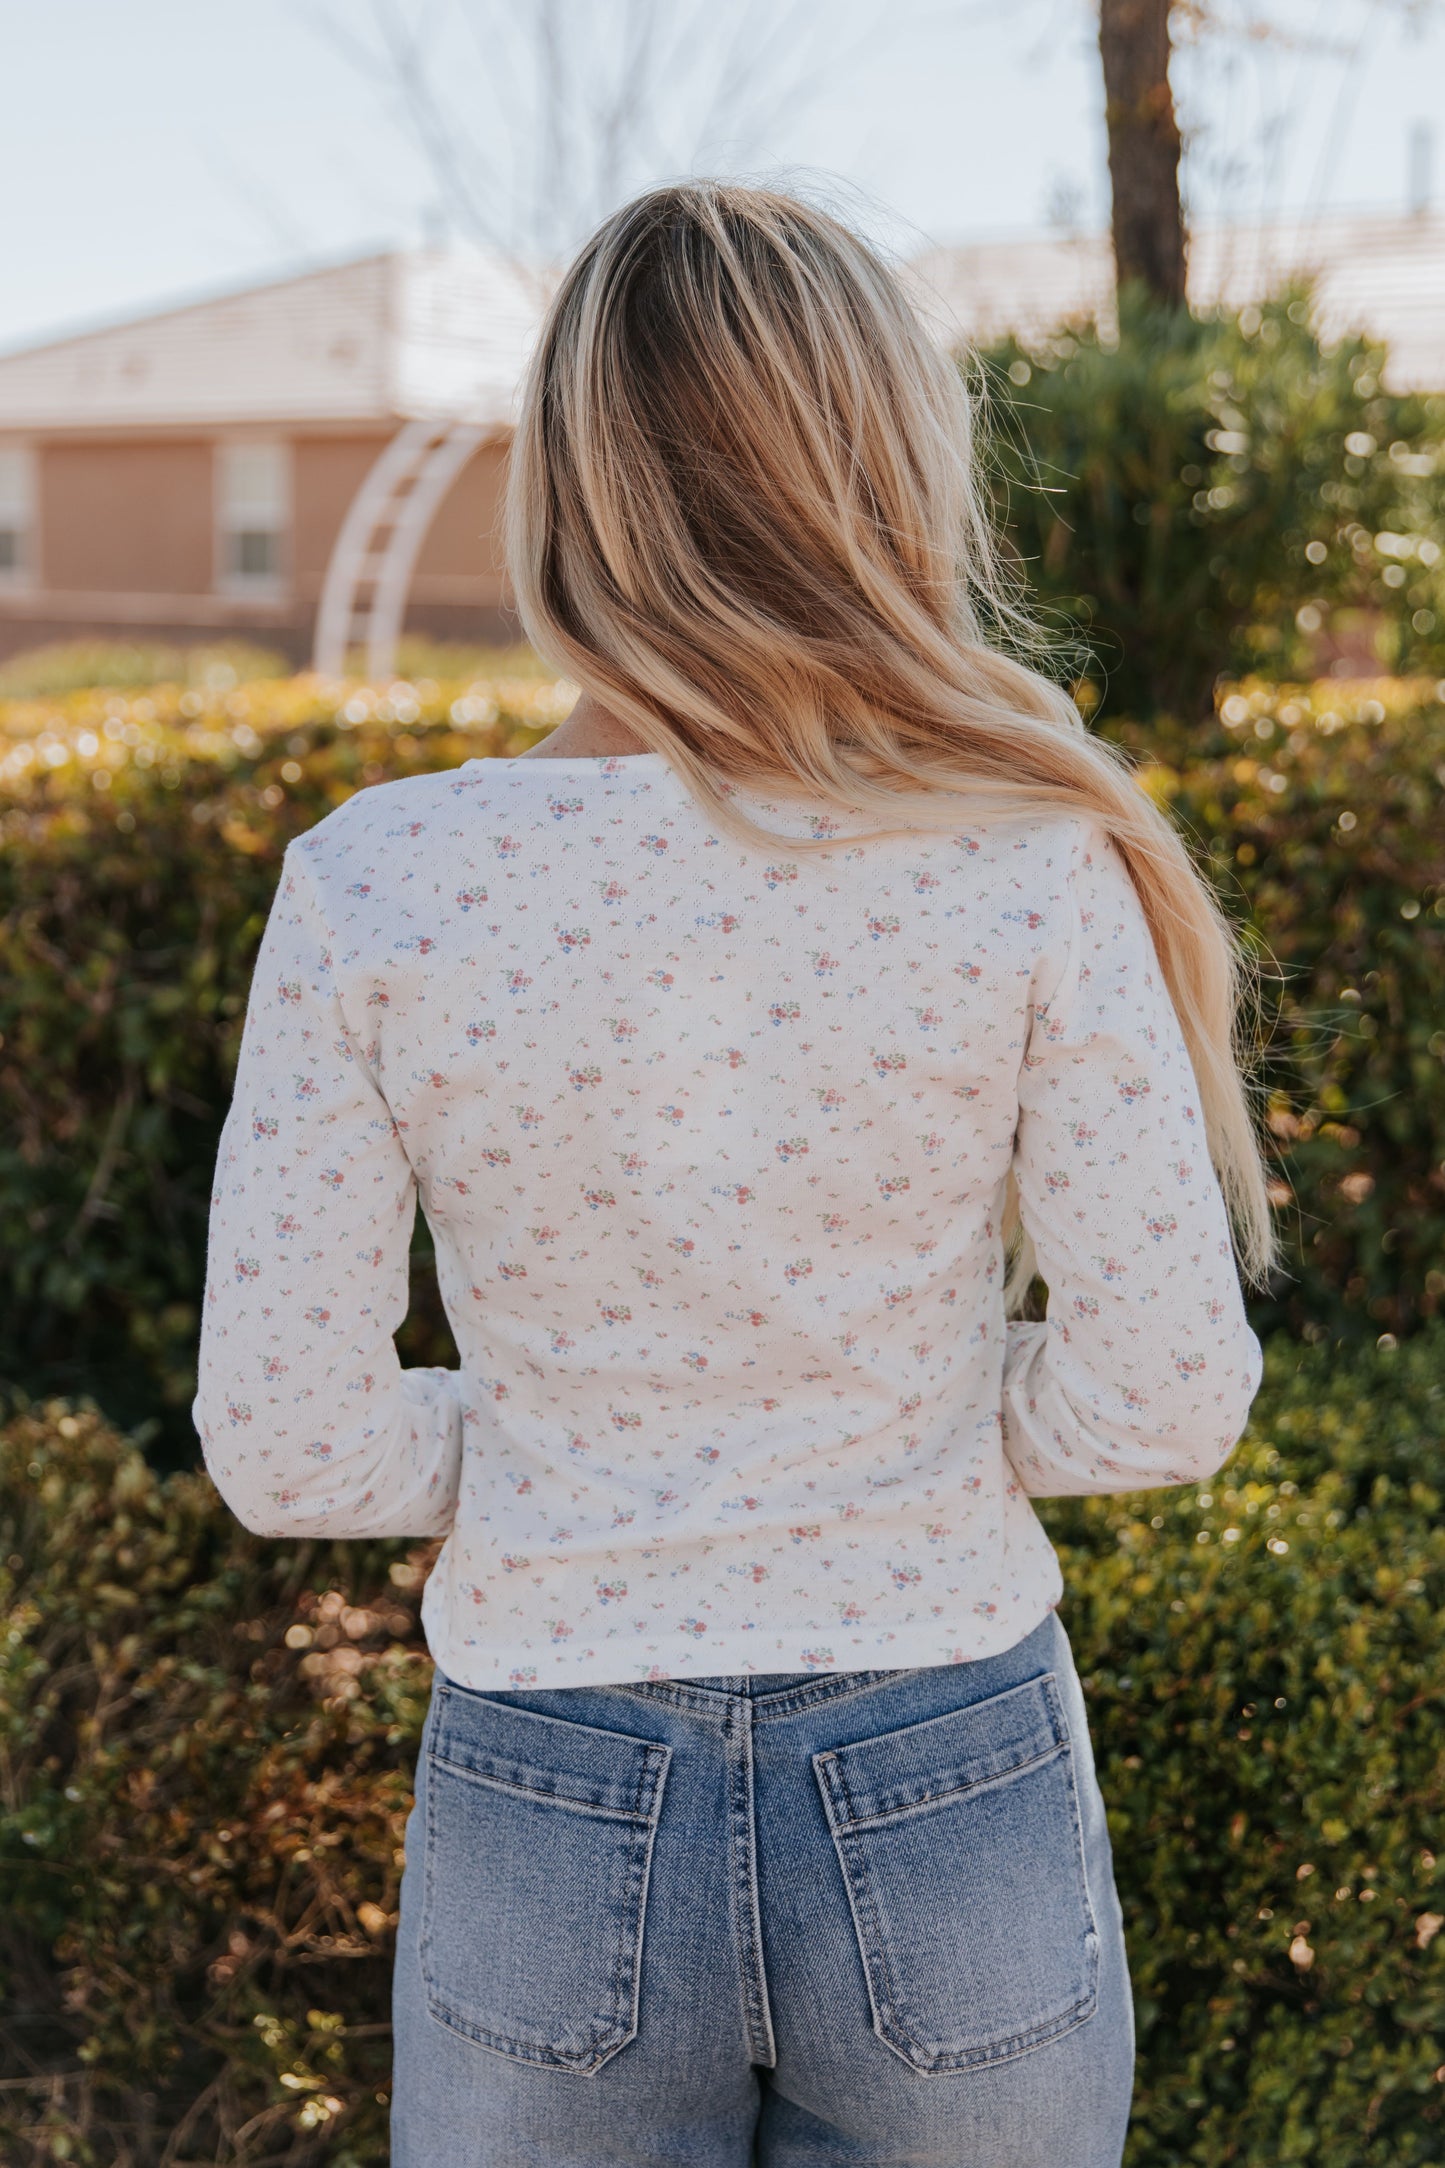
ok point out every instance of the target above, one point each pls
(712, 1142)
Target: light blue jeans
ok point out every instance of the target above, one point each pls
(860, 1918)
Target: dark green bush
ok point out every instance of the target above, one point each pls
(1324, 830)
(206, 1747)
(1168, 491)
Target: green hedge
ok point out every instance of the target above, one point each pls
(140, 840)
(1198, 494)
(206, 1746)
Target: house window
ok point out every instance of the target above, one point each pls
(254, 498)
(17, 514)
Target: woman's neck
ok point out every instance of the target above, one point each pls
(589, 732)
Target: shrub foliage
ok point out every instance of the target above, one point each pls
(207, 1744)
(1198, 494)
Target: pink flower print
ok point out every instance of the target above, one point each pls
(496, 1155)
(986, 1610)
(623, 1519)
(318, 1315)
(571, 938)
(1188, 1366)
(694, 1359)
(611, 1591)
(816, 1659)
(683, 1244)
(1132, 1089)
(928, 1019)
(1133, 1399)
(647, 1276)
(935, 1531)
(754, 1318)
(238, 1413)
(561, 807)
(511, 1563)
(287, 1225)
(833, 1223)
(621, 1029)
(527, 1117)
(732, 1055)
(611, 891)
(1032, 919)
(559, 1630)
(885, 1065)
(661, 979)
(656, 844)
(922, 880)
(318, 1449)
(469, 898)
(910, 1405)
(851, 1512)
(359, 888)
(632, 1162)
(264, 1128)
(378, 998)
(693, 1626)
(615, 1313)
(949, 1295)
(829, 1098)
(517, 981)
(747, 1504)
(1055, 1181)
(670, 1114)
(968, 845)
(486, 1029)
(905, 1576)
(791, 1148)
(931, 1145)
(580, 1078)
(799, 1269)
(1086, 1306)
(273, 1368)
(521, 1484)
(409, 828)
(823, 964)
(893, 1296)
(1183, 1170)
(288, 990)
(248, 1268)
(707, 1453)
(508, 1269)
(735, 1192)
(433, 1077)
(775, 876)
(625, 1419)
(849, 1614)
(1110, 1268)
(1081, 1132)
(423, 943)
(824, 824)
(968, 971)
(880, 924)
(784, 1012)
(333, 1178)
(1214, 1310)
(892, 1185)
(1163, 1224)
(594, 1199)
(524, 1675)
(307, 1087)
(807, 1534)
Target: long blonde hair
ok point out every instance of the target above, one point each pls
(742, 514)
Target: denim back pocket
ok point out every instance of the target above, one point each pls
(962, 1849)
(538, 1846)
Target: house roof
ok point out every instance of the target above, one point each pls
(436, 331)
(1382, 275)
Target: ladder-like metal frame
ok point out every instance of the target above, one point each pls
(363, 597)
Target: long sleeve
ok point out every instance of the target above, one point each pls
(1143, 1373)
(309, 1424)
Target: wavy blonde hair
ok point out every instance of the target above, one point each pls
(742, 514)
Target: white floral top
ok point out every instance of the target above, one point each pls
(712, 1142)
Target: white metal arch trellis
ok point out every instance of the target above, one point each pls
(363, 597)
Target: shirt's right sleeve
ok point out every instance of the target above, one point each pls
(1144, 1370)
(309, 1424)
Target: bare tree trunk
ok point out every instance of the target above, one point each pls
(1148, 219)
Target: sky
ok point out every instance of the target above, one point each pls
(154, 150)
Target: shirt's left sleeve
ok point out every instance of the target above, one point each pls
(308, 1422)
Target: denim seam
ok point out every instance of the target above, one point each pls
(885, 1817)
(487, 1780)
(785, 1701)
(743, 1882)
